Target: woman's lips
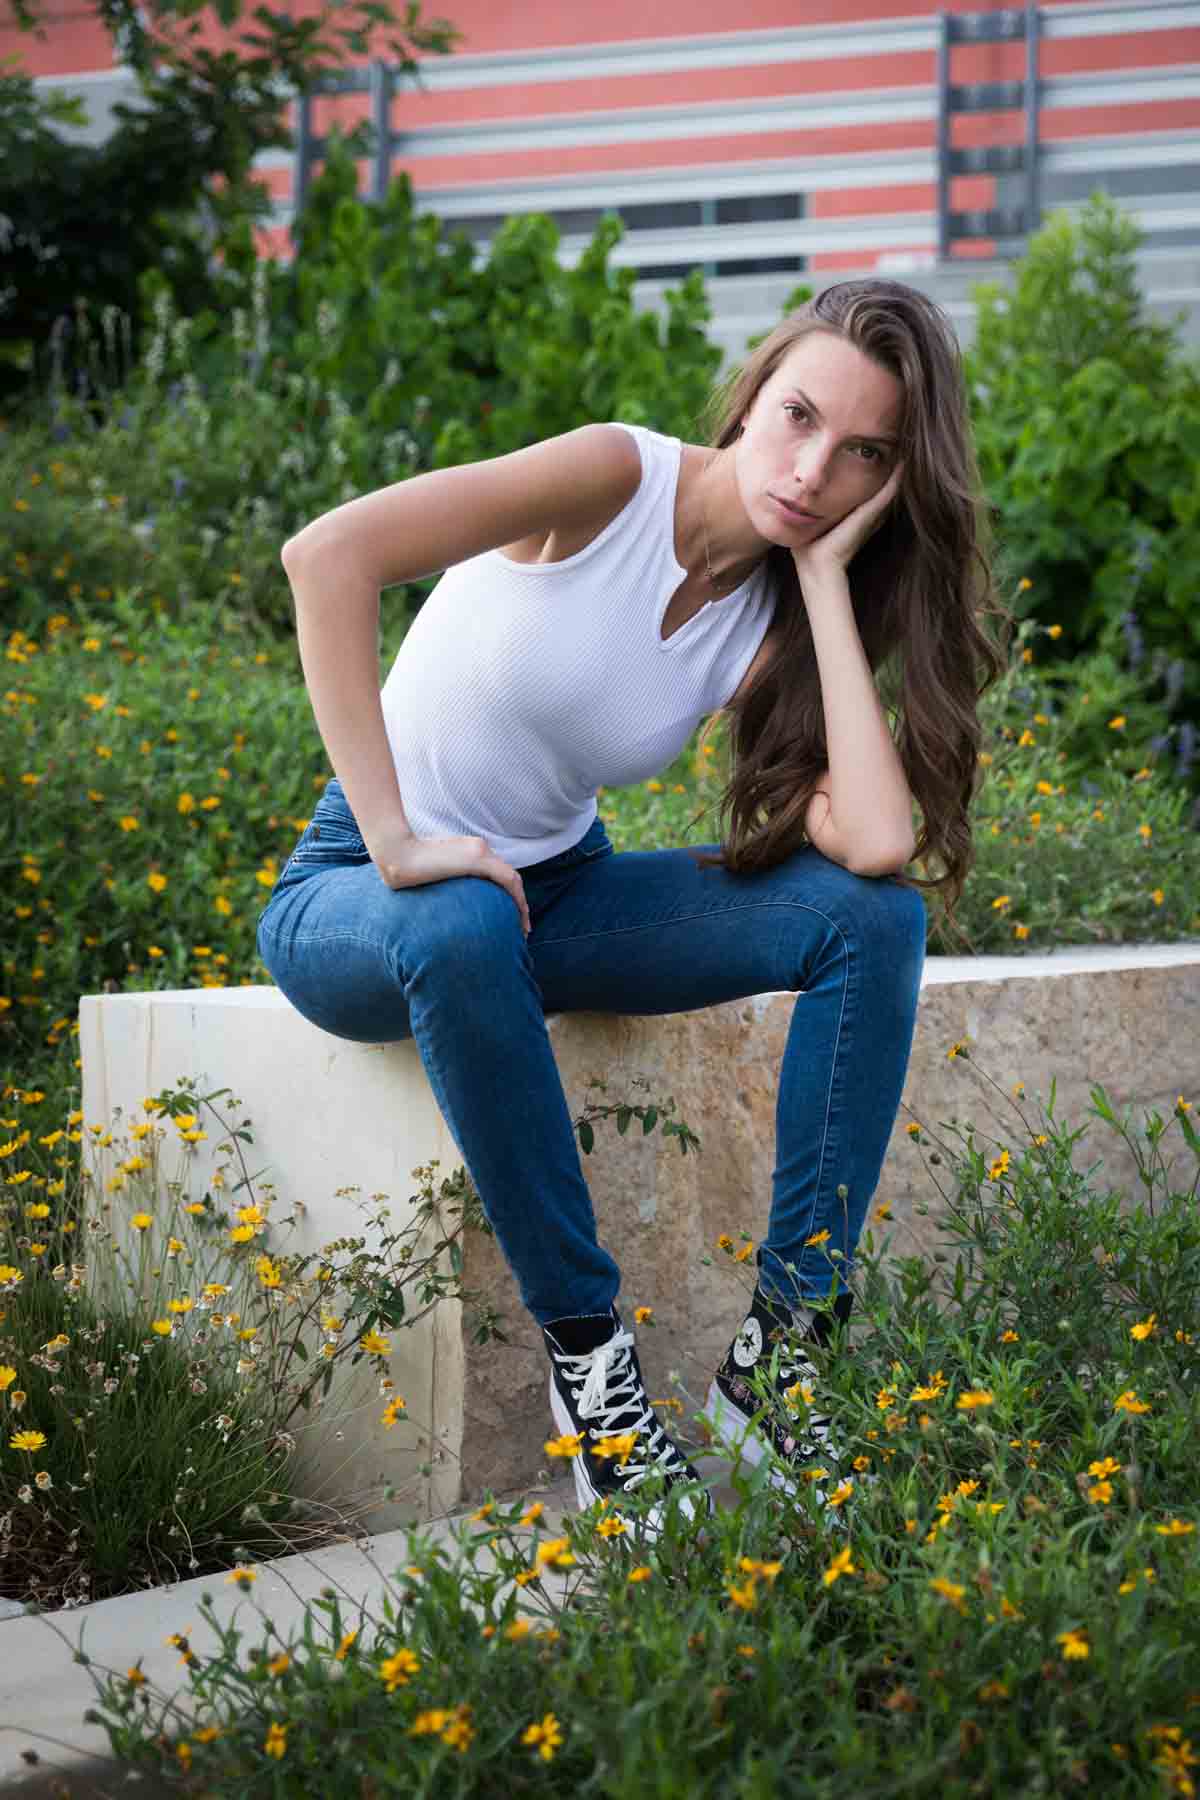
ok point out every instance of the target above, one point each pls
(799, 513)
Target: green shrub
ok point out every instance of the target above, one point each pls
(1085, 826)
(995, 1591)
(383, 350)
(1087, 422)
(135, 1449)
(156, 777)
(165, 1353)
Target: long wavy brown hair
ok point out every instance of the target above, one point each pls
(920, 588)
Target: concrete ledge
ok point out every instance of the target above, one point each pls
(44, 1692)
(327, 1114)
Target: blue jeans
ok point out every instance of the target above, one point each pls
(645, 931)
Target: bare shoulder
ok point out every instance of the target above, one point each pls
(603, 469)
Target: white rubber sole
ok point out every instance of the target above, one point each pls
(739, 1437)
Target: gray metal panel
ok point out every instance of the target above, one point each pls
(99, 92)
(794, 237)
(653, 124)
(1117, 19)
(680, 55)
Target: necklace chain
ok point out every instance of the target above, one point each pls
(713, 580)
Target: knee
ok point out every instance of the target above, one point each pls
(903, 913)
(880, 919)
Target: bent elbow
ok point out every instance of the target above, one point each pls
(884, 862)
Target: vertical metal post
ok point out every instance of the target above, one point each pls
(381, 119)
(303, 151)
(708, 216)
(943, 136)
(1033, 217)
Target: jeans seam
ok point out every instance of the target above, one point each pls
(833, 1064)
(689, 918)
(331, 937)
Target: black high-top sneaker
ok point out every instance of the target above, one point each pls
(762, 1417)
(597, 1392)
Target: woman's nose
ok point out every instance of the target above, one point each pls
(811, 467)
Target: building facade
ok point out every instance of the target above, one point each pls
(783, 141)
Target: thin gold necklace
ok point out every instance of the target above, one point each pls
(713, 580)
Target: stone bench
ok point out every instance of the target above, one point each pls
(328, 1114)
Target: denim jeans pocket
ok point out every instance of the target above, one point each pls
(592, 845)
(331, 839)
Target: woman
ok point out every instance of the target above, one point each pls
(606, 591)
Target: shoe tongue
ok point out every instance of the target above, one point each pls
(576, 1336)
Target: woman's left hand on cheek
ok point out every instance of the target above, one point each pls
(838, 546)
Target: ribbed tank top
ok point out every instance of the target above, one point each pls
(521, 688)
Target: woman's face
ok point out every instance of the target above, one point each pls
(821, 436)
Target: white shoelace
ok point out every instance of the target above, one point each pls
(817, 1427)
(610, 1391)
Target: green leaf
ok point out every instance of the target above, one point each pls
(624, 1114)
(587, 1138)
(650, 1119)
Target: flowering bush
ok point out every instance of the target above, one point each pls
(172, 1361)
(1000, 1596)
(1086, 821)
(162, 1350)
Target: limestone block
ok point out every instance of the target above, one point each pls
(328, 1114)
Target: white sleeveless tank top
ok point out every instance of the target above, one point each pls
(521, 688)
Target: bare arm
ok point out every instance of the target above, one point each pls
(861, 814)
(337, 632)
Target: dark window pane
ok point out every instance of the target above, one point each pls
(662, 216)
(667, 271)
(475, 225)
(752, 209)
(764, 265)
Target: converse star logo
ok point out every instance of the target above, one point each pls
(747, 1345)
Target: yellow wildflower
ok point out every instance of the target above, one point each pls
(545, 1737)
(394, 1671)
(841, 1565)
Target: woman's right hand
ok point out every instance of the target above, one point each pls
(406, 860)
